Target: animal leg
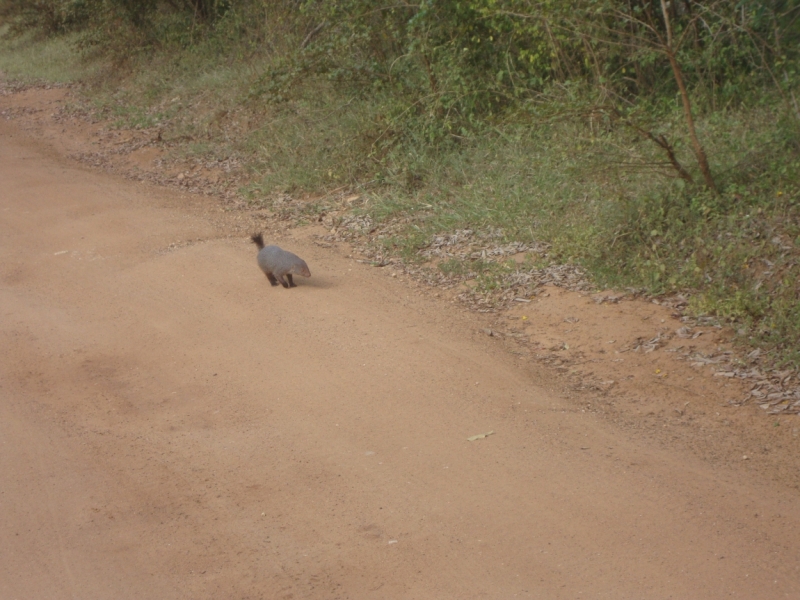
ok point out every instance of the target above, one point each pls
(272, 280)
(291, 281)
(283, 281)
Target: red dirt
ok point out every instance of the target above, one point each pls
(174, 427)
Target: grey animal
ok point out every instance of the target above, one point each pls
(276, 263)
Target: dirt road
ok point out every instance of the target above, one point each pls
(173, 427)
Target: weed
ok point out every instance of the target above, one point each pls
(28, 59)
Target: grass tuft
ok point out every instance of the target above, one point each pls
(30, 59)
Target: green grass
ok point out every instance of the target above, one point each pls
(29, 59)
(597, 202)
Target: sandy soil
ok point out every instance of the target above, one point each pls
(173, 427)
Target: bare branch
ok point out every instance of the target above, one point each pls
(667, 23)
(312, 34)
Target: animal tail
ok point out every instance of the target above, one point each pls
(258, 240)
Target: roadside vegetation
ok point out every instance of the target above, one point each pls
(656, 144)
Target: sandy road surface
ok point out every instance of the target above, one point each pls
(173, 427)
